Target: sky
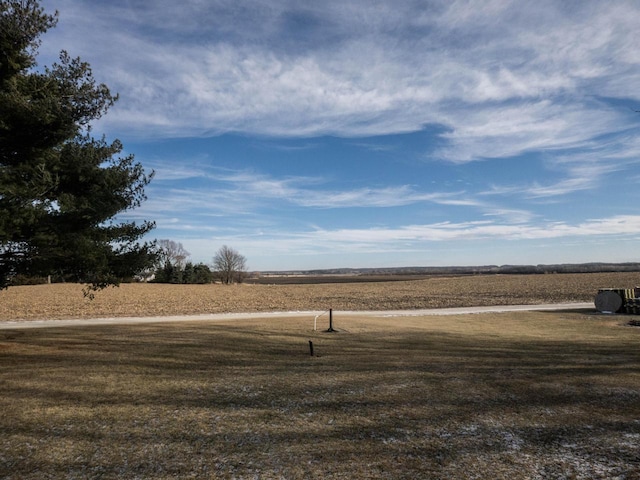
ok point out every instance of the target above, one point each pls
(374, 133)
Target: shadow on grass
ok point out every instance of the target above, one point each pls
(218, 401)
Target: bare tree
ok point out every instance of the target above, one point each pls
(172, 252)
(229, 265)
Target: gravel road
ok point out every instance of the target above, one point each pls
(219, 317)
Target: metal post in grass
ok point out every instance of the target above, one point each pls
(331, 321)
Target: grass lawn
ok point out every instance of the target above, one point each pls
(521, 395)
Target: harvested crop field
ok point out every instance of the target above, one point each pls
(527, 395)
(63, 301)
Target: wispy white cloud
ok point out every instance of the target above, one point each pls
(507, 131)
(166, 171)
(419, 237)
(381, 197)
(579, 169)
(511, 215)
(577, 178)
(245, 192)
(502, 76)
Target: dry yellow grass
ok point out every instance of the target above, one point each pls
(526, 395)
(66, 300)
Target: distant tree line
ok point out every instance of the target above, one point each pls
(171, 266)
(594, 267)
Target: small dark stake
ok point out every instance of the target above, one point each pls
(311, 347)
(331, 321)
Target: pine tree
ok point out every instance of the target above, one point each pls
(60, 188)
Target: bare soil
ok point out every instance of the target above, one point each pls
(66, 301)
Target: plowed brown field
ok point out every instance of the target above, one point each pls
(62, 301)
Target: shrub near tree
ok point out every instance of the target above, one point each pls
(190, 273)
(198, 273)
(173, 268)
(60, 189)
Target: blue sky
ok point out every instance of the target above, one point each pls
(375, 133)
